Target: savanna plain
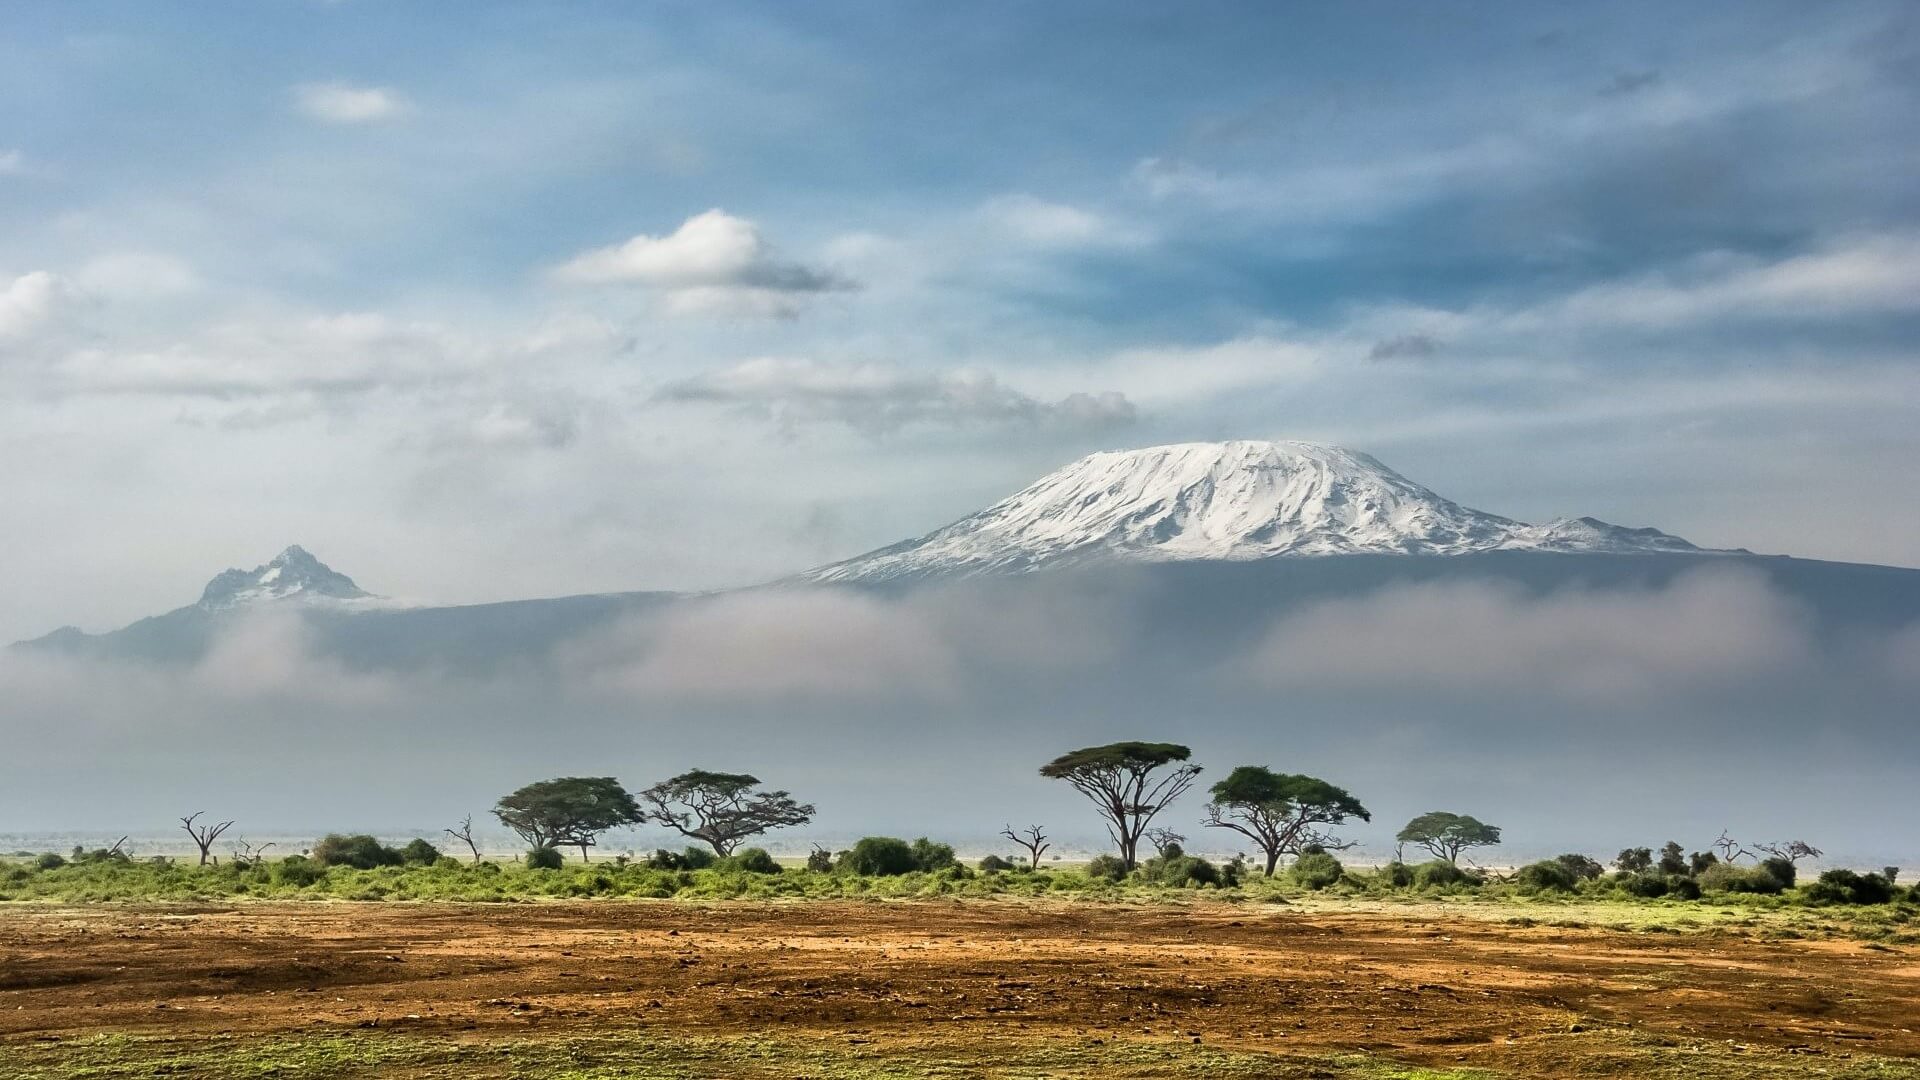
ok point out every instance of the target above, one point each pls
(112, 969)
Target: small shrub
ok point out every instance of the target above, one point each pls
(994, 864)
(1783, 871)
(1583, 867)
(1179, 869)
(751, 861)
(298, 871)
(880, 856)
(1552, 875)
(930, 856)
(1107, 868)
(820, 861)
(1847, 887)
(418, 852)
(1645, 884)
(544, 858)
(1683, 888)
(697, 858)
(1397, 874)
(360, 851)
(50, 860)
(1440, 874)
(1725, 877)
(1315, 870)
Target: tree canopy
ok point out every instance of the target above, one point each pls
(1281, 812)
(721, 809)
(1120, 780)
(1447, 834)
(571, 810)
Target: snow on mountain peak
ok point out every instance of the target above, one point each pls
(294, 574)
(1238, 500)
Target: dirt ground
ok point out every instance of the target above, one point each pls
(1419, 987)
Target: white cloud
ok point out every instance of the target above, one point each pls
(713, 261)
(878, 398)
(30, 301)
(1035, 222)
(12, 163)
(344, 103)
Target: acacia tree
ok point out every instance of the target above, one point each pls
(1281, 812)
(721, 808)
(572, 810)
(1446, 835)
(1033, 839)
(1120, 778)
(204, 835)
(1791, 850)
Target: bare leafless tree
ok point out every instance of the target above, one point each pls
(118, 850)
(246, 854)
(465, 834)
(204, 835)
(1163, 838)
(1031, 838)
(1791, 850)
(1729, 848)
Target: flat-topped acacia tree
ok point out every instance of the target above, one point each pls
(571, 810)
(1447, 834)
(1281, 812)
(1126, 784)
(721, 809)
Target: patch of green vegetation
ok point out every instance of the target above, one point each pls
(1598, 902)
(651, 1056)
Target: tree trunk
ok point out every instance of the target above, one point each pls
(583, 853)
(1273, 860)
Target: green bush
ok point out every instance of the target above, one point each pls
(751, 861)
(1783, 870)
(1315, 870)
(50, 860)
(1551, 875)
(820, 861)
(360, 851)
(994, 864)
(1441, 874)
(930, 856)
(880, 856)
(418, 852)
(1176, 868)
(1396, 874)
(544, 858)
(1847, 887)
(1583, 867)
(1645, 884)
(1727, 878)
(1683, 887)
(1106, 868)
(298, 871)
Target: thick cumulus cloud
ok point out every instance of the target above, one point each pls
(880, 398)
(713, 261)
(1712, 630)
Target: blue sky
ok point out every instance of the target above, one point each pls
(570, 297)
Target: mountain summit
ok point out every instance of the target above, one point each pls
(294, 574)
(1236, 501)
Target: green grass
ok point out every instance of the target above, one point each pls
(1597, 904)
(651, 1055)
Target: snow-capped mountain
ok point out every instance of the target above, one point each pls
(294, 574)
(1229, 501)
